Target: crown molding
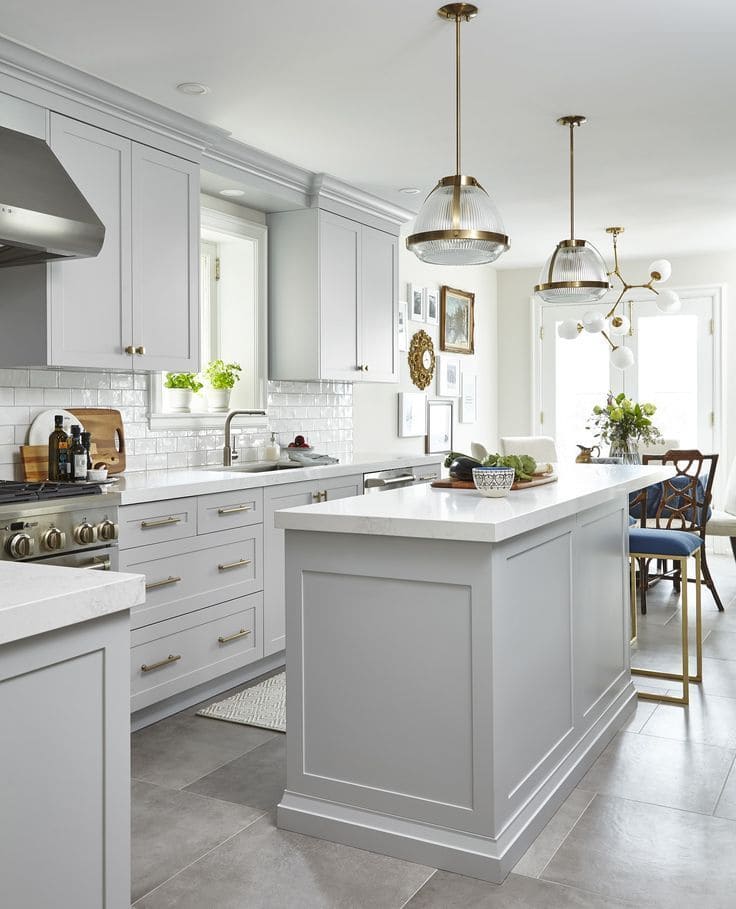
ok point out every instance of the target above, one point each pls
(336, 195)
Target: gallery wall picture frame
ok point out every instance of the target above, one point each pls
(439, 427)
(448, 376)
(412, 414)
(401, 329)
(432, 305)
(457, 320)
(468, 397)
(416, 303)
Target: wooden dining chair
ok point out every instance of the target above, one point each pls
(681, 503)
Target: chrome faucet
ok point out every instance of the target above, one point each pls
(227, 451)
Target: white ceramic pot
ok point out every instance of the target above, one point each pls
(218, 400)
(180, 399)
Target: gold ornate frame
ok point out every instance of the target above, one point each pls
(421, 375)
(470, 300)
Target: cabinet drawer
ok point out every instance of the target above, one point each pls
(184, 576)
(176, 655)
(156, 522)
(229, 509)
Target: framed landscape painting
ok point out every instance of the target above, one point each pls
(457, 324)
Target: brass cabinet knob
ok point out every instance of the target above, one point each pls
(130, 349)
(140, 350)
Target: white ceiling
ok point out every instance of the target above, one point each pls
(363, 90)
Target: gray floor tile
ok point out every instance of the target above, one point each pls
(661, 771)
(548, 842)
(183, 748)
(268, 868)
(720, 645)
(257, 778)
(727, 803)
(172, 829)
(708, 719)
(650, 856)
(451, 891)
(644, 710)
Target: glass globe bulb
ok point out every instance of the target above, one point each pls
(668, 301)
(574, 273)
(568, 329)
(594, 321)
(622, 358)
(662, 268)
(620, 325)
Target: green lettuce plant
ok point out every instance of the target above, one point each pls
(221, 375)
(183, 380)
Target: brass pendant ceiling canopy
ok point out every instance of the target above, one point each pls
(575, 272)
(458, 223)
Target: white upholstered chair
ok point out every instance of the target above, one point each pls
(723, 523)
(659, 448)
(541, 448)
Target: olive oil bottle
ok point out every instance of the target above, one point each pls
(59, 467)
(78, 456)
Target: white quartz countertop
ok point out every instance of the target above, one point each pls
(39, 598)
(155, 485)
(460, 514)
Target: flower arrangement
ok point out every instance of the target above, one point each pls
(222, 375)
(183, 380)
(623, 421)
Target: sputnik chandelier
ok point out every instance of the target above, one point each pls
(615, 323)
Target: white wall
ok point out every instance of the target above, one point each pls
(515, 340)
(375, 407)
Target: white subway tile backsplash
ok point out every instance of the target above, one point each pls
(320, 410)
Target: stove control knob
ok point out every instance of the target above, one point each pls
(107, 530)
(53, 539)
(85, 534)
(19, 546)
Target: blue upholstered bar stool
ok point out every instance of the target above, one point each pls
(679, 546)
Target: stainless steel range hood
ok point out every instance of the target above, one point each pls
(43, 215)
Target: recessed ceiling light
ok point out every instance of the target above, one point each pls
(193, 88)
(232, 192)
(410, 190)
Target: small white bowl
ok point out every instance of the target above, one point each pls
(94, 476)
(494, 482)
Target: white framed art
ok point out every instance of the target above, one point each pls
(416, 303)
(412, 414)
(448, 371)
(439, 427)
(432, 305)
(403, 317)
(468, 397)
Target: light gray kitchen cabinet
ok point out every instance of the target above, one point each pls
(290, 496)
(333, 290)
(65, 768)
(135, 305)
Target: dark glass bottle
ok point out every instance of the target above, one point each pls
(78, 456)
(58, 451)
(87, 442)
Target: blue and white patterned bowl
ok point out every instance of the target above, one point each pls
(493, 482)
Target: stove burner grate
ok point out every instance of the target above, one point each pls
(17, 491)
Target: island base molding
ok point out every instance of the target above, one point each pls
(444, 697)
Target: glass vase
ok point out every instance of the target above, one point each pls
(627, 450)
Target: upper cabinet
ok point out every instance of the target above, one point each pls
(135, 305)
(333, 290)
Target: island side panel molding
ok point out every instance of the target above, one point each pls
(411, 604)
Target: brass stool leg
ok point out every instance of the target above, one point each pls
(632, 600)
(685, 678)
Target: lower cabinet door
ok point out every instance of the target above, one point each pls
(178, 654)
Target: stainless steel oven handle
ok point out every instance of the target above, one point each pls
(98, 563)
(378, 482)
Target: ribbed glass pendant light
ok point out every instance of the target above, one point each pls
(575, 272)
(458, 223)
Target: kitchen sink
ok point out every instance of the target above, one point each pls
(255, 467)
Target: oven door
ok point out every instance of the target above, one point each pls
(103, 559)
(383, 480)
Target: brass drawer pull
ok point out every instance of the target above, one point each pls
(225, 639)
(320, 496)
(427, 476)
(226, 566)
(171, 658)
(146, 525)
(231, 509)
(164, 582)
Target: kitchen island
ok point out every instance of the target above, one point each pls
(455, 663)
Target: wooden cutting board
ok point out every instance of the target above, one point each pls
(35, 461)
(106, 426)
(469, 484)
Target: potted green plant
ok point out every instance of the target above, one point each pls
(180, 386)
(221, 377)
(623, 424)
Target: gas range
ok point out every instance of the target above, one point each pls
(58, 523)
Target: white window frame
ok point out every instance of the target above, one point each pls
(238, 228)
(717, 294)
